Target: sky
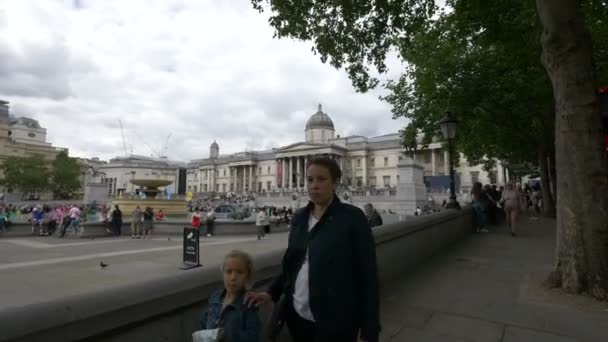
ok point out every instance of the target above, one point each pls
(180, 73)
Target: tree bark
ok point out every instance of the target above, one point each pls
(581, 261)
(543, 163)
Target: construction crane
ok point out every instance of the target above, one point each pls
(165, 147)
(124, 141)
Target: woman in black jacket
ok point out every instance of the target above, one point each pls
(329, 276)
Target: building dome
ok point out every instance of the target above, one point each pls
(214, 145)
(320, 120)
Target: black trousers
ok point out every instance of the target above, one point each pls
(303, 330)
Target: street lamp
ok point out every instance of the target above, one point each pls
(448, 129)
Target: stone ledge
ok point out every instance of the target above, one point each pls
(173, 302)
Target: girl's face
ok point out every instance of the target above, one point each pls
(236, 275)
(320, 185)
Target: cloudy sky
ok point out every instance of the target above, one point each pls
(196, 69)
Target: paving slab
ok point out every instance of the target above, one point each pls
(489, 288)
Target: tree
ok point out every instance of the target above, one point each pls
(581, 263)
(65, 175)
(357, 34)
(25, 174)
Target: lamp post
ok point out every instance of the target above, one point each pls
(448, 129)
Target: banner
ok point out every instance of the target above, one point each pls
(280, 173)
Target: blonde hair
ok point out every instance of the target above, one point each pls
(246, 258)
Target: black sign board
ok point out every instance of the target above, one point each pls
(191, 248)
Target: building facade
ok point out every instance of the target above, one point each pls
(365, 163)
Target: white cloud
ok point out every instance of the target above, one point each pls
(200, 70)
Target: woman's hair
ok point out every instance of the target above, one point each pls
(329, 164)
(509, 186)
(245, 257)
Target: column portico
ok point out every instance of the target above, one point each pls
(299, 166)
(284, 175)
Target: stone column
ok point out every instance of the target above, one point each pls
(244, 173)
(305, 171)
(500, 179)
(251, 185)
(299, 167)
(446, 157)
(433, 166)
(284, 180)
(354, 173)
(364, 166)
(289, 176)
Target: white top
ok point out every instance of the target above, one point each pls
(301, 294)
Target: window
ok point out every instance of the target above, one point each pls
(224, 172)
(259, 186)
(268, 184)
(349, 181)
(195, 188)
(259, 170)
(372, 162)
(385, 161)
(493, 177)
(359, 181)
(474, 177)
(217, 187)
(224, 187)
(268, 170)
(205, 173)
(371, 181)
(231, 186)
(205, 187)
(427, 158)
(386, 180)
(358, 162)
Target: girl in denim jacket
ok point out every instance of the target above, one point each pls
(227, 309)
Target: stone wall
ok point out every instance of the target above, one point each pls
(167, 309)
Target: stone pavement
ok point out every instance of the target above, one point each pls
(37, 269)
(487, 289)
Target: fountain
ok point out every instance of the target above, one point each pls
(150, 190)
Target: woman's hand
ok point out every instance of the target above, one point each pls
(257, 298)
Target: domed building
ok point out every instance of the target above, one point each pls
(365, 163)
(319, 128)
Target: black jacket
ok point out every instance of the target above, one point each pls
(343, 274)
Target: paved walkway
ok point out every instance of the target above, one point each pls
(488, 289)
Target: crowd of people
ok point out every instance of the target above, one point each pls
(491, 202)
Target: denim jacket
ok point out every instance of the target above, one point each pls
(240, 323)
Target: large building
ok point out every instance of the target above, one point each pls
(23, 137)
(365, 162)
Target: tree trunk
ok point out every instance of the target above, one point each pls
(581, 263)
(548, 204)
(553, 172)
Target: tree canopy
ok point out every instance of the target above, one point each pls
(65, 175)
(25, 174)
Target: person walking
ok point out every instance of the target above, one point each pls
(148, 217)
(74, 214)
(260, 222)
(210, 222)
(511, 201)
(481, 202)
(329, 275)
(116, 221)
(137, 218)
(373, 218)
(196, 218)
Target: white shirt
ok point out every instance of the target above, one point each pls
(301, 300)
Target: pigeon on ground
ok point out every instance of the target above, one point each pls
(102, 265)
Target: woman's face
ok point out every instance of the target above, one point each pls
(321, 187)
